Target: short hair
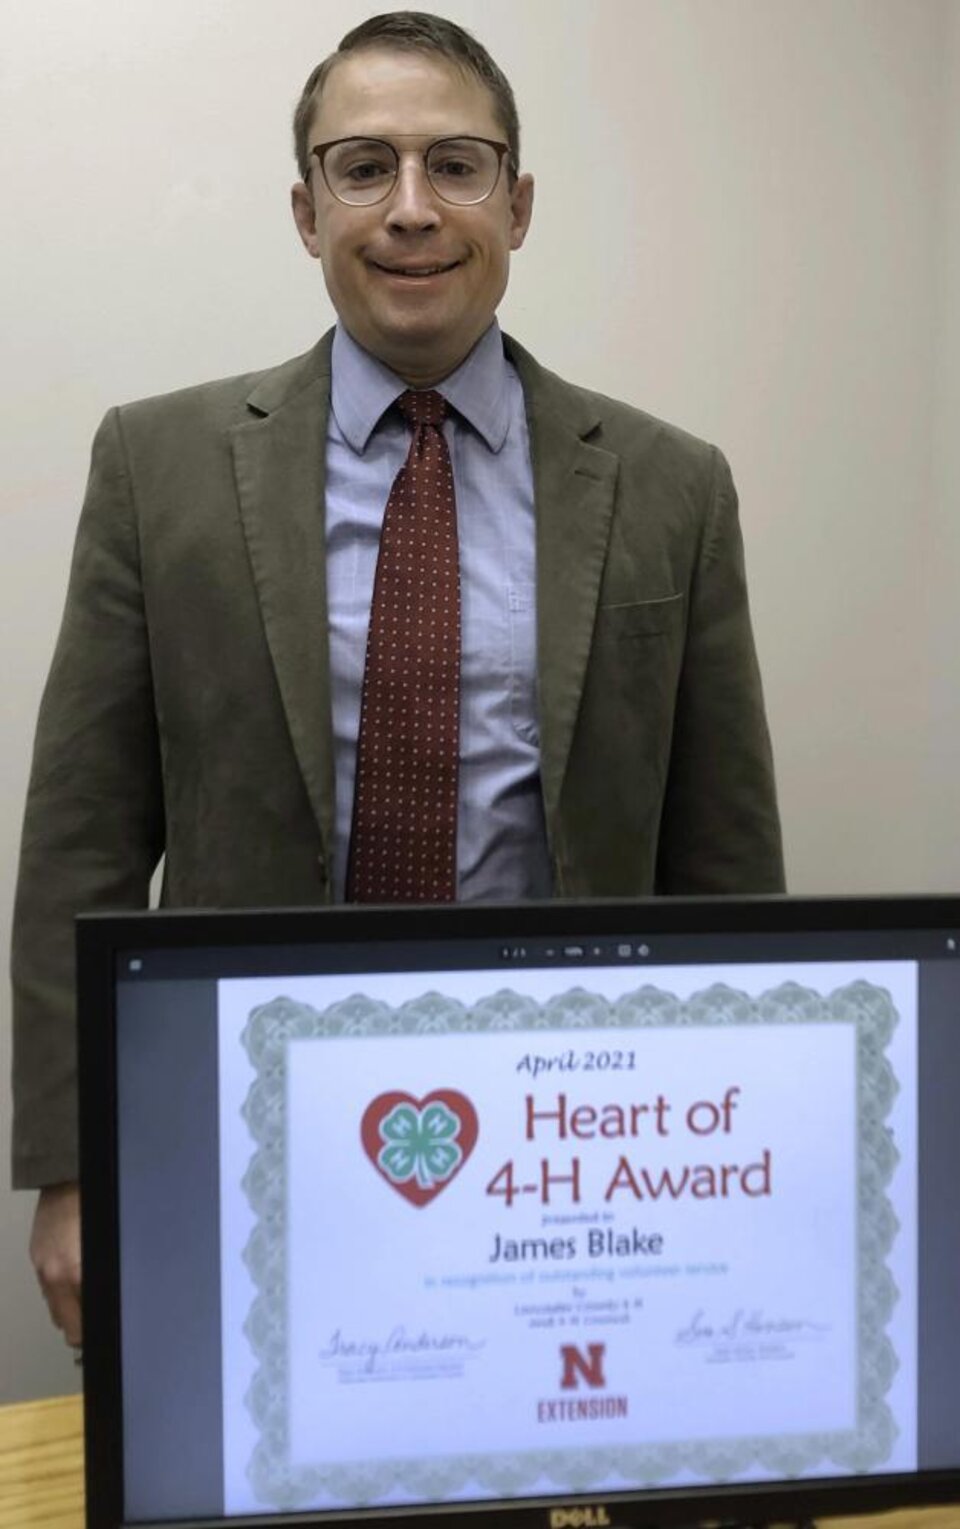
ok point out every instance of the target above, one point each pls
(413, 32)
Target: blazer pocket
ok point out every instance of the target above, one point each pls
(644, 618)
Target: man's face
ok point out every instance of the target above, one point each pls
(420, 325)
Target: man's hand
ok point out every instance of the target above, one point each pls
(55, 1255)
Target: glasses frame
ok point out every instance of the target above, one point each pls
(321, 150)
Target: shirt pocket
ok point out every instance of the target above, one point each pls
(522, 621)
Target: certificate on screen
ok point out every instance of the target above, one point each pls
(565, 1235)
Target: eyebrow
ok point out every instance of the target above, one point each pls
(389, 137)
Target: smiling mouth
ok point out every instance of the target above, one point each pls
(413, 271)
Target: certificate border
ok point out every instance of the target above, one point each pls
(269, 1029)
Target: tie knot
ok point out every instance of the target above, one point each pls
(426, 408)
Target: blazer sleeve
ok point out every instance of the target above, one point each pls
(720, 828)
(93, 830)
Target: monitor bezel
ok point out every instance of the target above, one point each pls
(102, 936)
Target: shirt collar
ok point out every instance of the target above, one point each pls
(362, 389)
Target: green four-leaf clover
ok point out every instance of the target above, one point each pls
(420, 1144)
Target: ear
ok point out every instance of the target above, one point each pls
(305, 217)
(521, 209)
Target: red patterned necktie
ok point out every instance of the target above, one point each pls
(403, 845)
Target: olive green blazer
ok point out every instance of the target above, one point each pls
(187, 711)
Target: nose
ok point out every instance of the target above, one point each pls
(412, 206)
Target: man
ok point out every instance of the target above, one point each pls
(238, 632)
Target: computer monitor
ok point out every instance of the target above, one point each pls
(568, 1214)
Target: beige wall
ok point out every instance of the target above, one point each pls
(748, 220)
(943, 739)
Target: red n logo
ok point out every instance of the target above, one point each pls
(578, 1366)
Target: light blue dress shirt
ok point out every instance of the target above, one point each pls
(501, 839)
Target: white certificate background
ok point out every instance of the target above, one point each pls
(806, 1118)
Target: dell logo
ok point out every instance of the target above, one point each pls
(579, 1518)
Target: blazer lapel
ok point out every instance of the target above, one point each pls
(574, 488)
(279, 458)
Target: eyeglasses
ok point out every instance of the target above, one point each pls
(363, 171)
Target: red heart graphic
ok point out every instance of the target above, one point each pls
(375, 1142)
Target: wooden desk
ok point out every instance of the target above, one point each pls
(41, 1474)
(41, 1464)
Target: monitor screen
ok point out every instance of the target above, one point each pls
(592, 1214)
